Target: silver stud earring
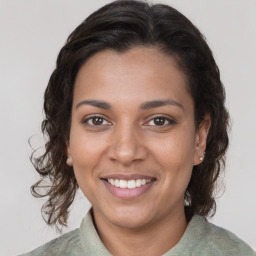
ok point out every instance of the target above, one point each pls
(202, 157)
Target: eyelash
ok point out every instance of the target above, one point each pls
(86, 121)
(166, 119)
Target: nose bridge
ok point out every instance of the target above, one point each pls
(127, 144)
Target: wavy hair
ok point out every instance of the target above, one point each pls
(120, 26)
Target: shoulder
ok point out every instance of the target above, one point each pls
(219, 241)
(81, 241)
(63, 245)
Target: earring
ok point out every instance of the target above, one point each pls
(202, 157)
(69, 161)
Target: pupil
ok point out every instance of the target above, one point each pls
(97, 120)
(159, 121)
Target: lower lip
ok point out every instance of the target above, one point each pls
(126, 193)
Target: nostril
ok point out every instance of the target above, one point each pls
(127, 152)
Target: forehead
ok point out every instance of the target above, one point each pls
(139, 74)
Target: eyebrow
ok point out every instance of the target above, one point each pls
(143, 106)
(160, 103)
(95, 103)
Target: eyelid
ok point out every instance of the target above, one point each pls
(85, 120)
(170, 120)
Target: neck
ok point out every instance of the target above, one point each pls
(148, 240)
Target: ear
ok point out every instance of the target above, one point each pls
(201, 139)
(69, 160)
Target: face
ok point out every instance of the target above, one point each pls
(133, 141)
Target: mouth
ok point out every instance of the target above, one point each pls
(129, 184)
(128, 187)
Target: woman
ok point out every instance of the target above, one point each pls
(135, 117)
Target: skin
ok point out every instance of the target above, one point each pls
(128, 140)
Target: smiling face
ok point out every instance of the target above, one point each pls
(133, 141)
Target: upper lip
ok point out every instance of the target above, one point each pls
(127, 177)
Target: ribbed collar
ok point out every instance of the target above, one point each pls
(191, 238)
(92, 245)
(90, 239)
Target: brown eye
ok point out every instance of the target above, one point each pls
(159, 121)
(97, 120)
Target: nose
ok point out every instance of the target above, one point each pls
(127, 146)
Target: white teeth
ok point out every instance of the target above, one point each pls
(138, 183)
(123, 183)
(131, 184)
(116, 183)
(128, 183)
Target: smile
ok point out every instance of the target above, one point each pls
(130, 184)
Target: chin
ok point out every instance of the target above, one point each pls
(130, 218)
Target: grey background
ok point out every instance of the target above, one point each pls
(32, 33)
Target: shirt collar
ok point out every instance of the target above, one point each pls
(92, 245)
(90, 239)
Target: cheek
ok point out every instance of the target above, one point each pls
(175, 155)
(86, 149)
(176, 148)
(86, 153)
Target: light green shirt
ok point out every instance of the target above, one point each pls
(201, 238)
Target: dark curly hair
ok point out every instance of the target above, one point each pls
(120, 26)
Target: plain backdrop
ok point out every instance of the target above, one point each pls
(31, 35)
